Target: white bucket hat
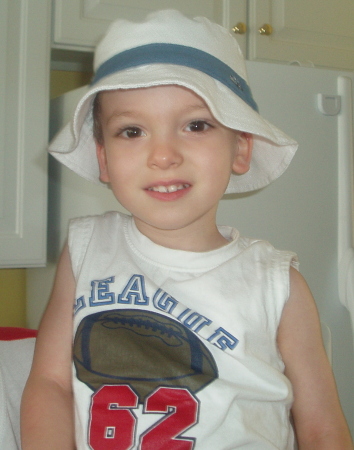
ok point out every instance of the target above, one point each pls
(169, 48)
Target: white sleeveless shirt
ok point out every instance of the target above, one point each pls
(176, 349)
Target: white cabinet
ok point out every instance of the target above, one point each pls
(24, 104)
(234, 16)
(310, 31)
(79, 24)
(316, 31)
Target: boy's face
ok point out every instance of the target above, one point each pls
(167, 159)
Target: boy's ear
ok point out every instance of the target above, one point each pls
(243, 154)
(102, 162)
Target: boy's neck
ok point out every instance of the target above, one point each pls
(191, 239)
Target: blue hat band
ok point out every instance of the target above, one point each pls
(180, 55)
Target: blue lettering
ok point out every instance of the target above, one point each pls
(134, 292)
(196, 320)
(163, 301)
(183, 313)
(79, 304)
(223, 340)
(100, 293)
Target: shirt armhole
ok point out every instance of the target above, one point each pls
(80, 232)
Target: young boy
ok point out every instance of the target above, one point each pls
(184, 334)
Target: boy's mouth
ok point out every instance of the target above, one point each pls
(170, 188)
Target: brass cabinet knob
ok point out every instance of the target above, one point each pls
(240, 28)
(266, 29)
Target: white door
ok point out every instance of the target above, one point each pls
(310, 31)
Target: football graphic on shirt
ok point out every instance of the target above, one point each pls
(143, 349)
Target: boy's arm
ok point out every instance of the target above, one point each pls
(318, 417)
(47, 407)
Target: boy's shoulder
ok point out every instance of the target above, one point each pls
(245, 242)
(104, 218)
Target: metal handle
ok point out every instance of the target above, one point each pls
(240, 28)
(266, 29)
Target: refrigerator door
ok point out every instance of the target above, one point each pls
(299, 211)
(345, 196)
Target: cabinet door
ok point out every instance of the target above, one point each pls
(310, 31)
(79, 24)
(24, 104)
(235, 20)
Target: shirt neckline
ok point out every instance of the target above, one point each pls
(180, 260)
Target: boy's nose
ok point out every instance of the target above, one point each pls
(164, 154)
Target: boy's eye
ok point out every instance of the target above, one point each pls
(198, 126)
(132, 132)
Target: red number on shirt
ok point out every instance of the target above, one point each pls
(113, 424)
(181, 410)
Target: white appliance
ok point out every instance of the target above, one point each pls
(308, 210)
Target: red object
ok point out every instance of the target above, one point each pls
(13, 333)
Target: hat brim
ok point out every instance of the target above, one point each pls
(273, 150)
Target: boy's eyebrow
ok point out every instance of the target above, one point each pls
(119, 114)
(197, 106)
(192, 107)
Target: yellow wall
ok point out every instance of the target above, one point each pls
(12, 297)
(64, 81)
(13, 281)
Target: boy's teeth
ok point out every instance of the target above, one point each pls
(172, 188)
